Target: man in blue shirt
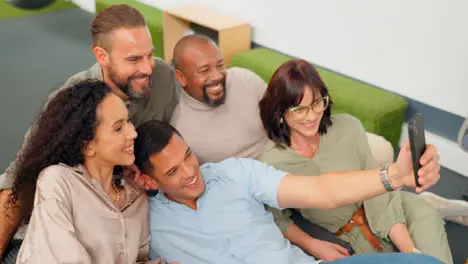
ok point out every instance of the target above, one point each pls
(215, 213)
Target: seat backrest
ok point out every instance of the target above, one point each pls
(463, 136)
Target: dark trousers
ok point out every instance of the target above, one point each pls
(318, 232)
(11, 253)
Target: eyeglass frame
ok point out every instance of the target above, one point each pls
(326, 100)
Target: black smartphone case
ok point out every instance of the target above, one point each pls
(417, 142)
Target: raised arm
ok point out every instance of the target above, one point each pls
(9, 220)
(333, 190)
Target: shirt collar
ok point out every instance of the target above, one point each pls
(77, 168)
(132, 191)
(196, 104)
(96, 72)
(162, 197)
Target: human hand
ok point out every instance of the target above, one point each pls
(132, 173)
(429, 173)
(328, 251)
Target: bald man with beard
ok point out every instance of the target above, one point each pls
(217, 112)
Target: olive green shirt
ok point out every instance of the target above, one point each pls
(343, 148)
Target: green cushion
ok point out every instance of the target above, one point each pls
(380, 111)
(153, 17)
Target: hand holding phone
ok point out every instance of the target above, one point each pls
(417, 140)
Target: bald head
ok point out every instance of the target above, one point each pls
(200, 69)
(188, 43)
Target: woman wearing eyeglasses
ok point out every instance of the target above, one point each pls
(307, 139)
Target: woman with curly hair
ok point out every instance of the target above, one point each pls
(78, 211)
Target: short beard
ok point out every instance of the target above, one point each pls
(214, 103)
(126, 88)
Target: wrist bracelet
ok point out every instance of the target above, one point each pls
(384, 178)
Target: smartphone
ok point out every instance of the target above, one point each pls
(417, 142)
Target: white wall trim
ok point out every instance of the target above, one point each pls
(87, 5)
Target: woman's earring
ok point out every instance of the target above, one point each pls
(281, 120)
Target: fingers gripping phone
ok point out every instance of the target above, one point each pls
(417, 142)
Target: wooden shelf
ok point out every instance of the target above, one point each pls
(233, 35)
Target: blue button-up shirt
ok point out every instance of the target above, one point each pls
(230, 225)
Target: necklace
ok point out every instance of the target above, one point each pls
(117, 191)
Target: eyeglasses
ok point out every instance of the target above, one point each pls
(317, 106)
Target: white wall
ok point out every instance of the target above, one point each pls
(416, 48)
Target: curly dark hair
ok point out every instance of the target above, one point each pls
(58, 135)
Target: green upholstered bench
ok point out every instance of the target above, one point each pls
(380, 111)
(153, 17)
